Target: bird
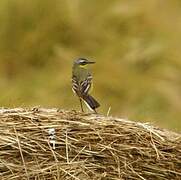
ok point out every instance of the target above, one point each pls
(82, 83)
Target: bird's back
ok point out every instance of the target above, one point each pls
(80, 73)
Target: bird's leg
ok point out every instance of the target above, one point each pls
(81, 105)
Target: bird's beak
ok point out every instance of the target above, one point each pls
(91, 62)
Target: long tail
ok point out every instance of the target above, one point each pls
(91, 102)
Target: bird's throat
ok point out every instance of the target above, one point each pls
(83, 66)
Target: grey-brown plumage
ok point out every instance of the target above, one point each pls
(82, 82)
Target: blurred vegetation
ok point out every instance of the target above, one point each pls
(136, 45)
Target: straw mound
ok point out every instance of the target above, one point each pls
(87, 146)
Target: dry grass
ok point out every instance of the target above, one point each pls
(87, 146)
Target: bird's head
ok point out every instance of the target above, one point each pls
(82, 62)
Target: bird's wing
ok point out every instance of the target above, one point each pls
(86, 85)
(75, 85)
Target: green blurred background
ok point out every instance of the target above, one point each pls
(136, 46)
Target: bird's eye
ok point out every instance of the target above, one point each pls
(83, 63)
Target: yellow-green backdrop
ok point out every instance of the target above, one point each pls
(136, 46)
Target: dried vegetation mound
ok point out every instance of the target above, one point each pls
(51, 144)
